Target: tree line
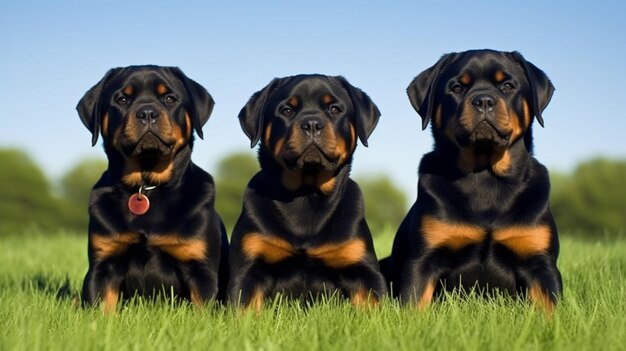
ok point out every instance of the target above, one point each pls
(589, 202)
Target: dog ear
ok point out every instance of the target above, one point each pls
(540, 86)
(421, 91)
(201, 102)
(89, 105)
(367, 113)
(252, 114)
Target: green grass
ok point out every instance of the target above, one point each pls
(40, 277)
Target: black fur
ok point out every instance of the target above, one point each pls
(146, 116)
(482, 213)
(302, 231)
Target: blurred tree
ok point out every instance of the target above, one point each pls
(385, 204)
(76, 184)
(233, 174)
(25, 195)
(592, 200)
(75, 187)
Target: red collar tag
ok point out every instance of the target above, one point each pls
(138, 203)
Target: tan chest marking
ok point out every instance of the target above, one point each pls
(272, 249)
(183, 250)
(455, 236)
(105, 246)
(524, 241)
(340, 255)
(269, 248)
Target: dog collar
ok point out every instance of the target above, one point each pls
(138, 203)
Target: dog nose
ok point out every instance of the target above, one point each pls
(312, 126)
(484, 102)
(147, 113)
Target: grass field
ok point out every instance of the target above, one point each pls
(40, 277)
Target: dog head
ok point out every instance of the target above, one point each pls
(481, 102)
(308, 127)
(146, 116)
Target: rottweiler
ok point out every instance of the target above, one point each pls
(481, 219)
(152, 224)
(302, 231)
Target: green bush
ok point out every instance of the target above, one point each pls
(385, 204)
(233, 174)
(75, 187)
(25, 194)
(592, 200)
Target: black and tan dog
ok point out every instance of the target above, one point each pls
(152, 225)
(482, 211)
(302, 231)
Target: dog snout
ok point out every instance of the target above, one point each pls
(147, 114)
(484, 102)
(312, 126)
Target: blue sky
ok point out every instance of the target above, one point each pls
(53, 51)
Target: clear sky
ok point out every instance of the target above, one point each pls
(51, 52)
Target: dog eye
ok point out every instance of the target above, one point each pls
(334, 109)
(457, 88)
(287, 112)
(507, 87)
(122, 100)
(169, 99)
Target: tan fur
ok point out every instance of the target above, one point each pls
(105, 246)
(525, 241)
(183, 250)
(269, 248)
(455, 236)
(340, 255)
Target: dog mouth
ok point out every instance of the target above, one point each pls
(150, 149)
(487, 136)
(312, 159)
